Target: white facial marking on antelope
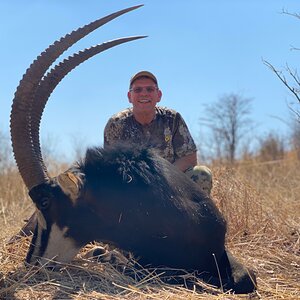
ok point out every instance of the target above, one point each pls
(59, 247)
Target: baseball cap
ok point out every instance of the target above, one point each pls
(142, 74)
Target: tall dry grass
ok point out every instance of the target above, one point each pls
(260, 201)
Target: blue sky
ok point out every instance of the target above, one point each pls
(199, 50)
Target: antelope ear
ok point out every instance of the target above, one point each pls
(70, 184)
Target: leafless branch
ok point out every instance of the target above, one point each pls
(295, 48)
(297, 113)
(295, 91)
(286, 12)
(294, 75)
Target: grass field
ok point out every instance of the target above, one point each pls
(261, 203)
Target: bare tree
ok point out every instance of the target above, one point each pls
(228, 119)
(295, 137)
(289, 76)
(79, 145)
(272, 147)
(6, 158)
(292, 82)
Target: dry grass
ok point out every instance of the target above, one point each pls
(262, 207)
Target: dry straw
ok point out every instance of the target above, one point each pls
(260, 203)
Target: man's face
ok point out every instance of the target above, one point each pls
(144, 95)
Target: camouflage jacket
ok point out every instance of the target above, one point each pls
(167, 133)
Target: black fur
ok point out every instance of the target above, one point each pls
(137, 200)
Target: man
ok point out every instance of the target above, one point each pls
(156, 127)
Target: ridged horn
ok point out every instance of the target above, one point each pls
(31, 167)
(53, 78)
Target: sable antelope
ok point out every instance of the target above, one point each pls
(127, 196)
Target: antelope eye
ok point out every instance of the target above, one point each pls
(44, 203)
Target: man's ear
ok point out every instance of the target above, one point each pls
(70, 184)
(129, 97)
(159, 94)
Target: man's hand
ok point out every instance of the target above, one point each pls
(185, 162)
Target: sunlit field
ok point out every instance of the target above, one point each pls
(261, 202)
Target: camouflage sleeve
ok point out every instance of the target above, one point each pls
(112, 132)
(183, 142)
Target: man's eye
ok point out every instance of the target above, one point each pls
(149, 89)
(138, 90)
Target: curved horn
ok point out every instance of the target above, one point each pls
(31, 167)
(53, 78)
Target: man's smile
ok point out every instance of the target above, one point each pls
(144, 101)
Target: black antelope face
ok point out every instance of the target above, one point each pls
(56, 205)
